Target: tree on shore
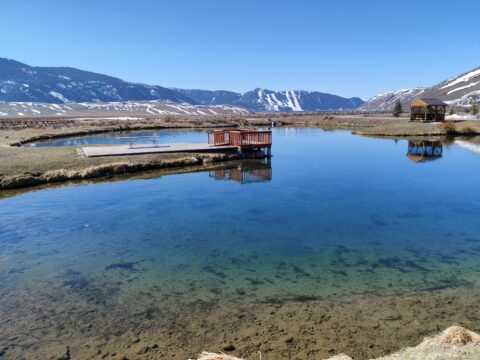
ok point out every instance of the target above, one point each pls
(451, 111)
(474, 108)
(397, 110)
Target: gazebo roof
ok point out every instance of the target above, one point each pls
(431, 101)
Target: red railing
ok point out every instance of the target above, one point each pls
(219, 138)
(241, 138)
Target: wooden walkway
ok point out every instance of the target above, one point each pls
(138, 149)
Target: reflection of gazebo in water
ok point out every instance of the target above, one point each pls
(247, 172)
(424, 150)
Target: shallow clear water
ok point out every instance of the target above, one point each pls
(331, 215)
(126, 137)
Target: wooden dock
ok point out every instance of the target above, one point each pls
(218, 140)
(138, 149)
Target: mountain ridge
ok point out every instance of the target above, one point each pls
(457, 91)
(20, 82)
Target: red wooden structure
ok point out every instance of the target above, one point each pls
(242, 139)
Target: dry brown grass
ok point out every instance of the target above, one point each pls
(449, 127)
(30, 166)
(91, 168)
(468, 129)
(213, 356)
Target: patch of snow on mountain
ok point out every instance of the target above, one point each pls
(272, 106)
(279, 103)
(59, 96)
(463, 78)
(386, 101)
(465, 100)
(463, 87)
(290, 103)
(295, 101)
(260, 95)
(28, 71)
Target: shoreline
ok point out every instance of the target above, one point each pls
(364, 327)
(103, 171)
(25, 167)
(104, 320)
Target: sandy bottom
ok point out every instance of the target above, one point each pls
(66, 325)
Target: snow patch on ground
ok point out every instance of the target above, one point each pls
(461, 117)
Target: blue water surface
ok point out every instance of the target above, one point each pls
(331, 215)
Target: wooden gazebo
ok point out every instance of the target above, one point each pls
(427, 110)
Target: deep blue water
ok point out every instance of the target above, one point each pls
(331, 215)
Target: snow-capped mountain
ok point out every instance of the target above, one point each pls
(21, 82)
(61, 85)
(386, 101)
(268, 100)
(458, 91)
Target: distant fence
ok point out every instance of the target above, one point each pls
(355, 112)
(340, 112)
(18, 124)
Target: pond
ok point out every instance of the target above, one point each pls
(332, 216)
(126, 137)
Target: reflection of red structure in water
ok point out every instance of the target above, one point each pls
(245, 173)
(243, 139)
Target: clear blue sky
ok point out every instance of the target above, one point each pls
(350, 48)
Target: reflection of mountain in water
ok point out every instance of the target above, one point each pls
(471, 143)
(424, 150)
(246, 172)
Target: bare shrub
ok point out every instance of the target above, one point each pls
(449, 127)
(169, 118)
